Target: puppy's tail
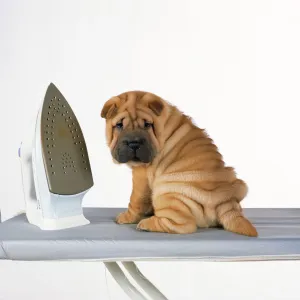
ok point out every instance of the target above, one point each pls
(230, 216)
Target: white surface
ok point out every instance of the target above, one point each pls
(232, 65)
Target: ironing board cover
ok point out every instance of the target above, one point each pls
(103, 239)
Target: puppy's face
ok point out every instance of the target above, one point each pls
(133, 124)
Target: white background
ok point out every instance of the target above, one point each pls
(234, 66)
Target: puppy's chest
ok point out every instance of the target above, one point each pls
(155, 170)
(154, 177)
(150, 176)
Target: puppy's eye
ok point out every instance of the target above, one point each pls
(147, 124)
(119, 125)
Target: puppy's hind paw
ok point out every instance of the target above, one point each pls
(127, 218)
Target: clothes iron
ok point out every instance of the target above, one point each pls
(55, 166)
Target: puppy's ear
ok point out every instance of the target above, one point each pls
(156, 105)
(110, 108)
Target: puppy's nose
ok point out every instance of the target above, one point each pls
(135, 144)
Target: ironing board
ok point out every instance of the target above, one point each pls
(104, 240)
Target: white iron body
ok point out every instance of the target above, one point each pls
(44, 209)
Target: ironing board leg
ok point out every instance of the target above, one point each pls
(123, 282)
(143, 282)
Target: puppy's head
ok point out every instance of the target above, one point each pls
(134, 124)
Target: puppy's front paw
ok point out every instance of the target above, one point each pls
(127, 218)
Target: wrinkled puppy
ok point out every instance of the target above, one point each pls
(180, 181)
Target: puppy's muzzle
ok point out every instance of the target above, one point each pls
(135, 143)
(134, 146)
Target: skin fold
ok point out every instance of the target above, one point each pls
(179, 179)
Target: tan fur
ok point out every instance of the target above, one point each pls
(187, 185)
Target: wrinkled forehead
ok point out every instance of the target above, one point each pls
(133, 106)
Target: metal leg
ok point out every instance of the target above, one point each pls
(123, 282)
(144, 283)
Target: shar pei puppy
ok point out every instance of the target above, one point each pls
(179, 179)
